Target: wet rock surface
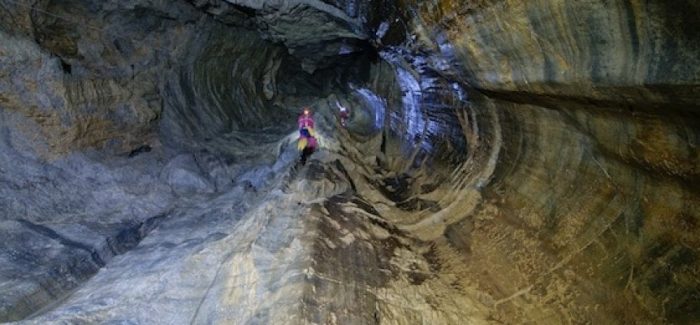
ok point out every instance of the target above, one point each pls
(504, 162)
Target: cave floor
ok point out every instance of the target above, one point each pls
(323, 244)
(306, 249)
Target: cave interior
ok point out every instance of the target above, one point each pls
(503, 162)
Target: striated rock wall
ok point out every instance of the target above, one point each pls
(313, 31)
(630, 52)
(592, 200)
(88, 81)
(81, 102)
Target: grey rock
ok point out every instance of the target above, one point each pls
(185, 177)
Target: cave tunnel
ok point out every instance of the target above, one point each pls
(503, 162)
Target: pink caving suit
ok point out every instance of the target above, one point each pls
(307, 122)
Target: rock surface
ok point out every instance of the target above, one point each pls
(595, 123)
(505, 162)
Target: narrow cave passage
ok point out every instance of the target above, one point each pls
(503, 162)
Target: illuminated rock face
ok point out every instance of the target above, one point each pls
(593, 198)
(504, 162)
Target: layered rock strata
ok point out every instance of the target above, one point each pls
(505, 162)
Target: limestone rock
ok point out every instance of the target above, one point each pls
(184, 176)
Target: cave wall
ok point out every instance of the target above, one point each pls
(226, 84)
(595, 183)
(113, 114)
(109, 71)
(629, 52)
(92, 84)
(84, 175)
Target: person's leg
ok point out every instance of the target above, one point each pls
(305, 154)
